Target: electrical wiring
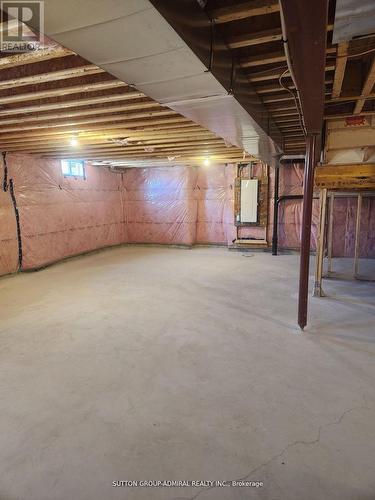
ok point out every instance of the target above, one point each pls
(296, 100)
(350, 56)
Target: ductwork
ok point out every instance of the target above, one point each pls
(182, 66)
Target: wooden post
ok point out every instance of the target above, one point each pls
(357, 236)
(308, 188)
(330, 231)
(318, 292)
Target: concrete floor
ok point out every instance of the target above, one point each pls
(165, 364)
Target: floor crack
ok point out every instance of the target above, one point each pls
(284, 450)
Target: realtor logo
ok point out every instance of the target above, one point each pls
(22, 25)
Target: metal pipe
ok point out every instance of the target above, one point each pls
(275, 209)
(330, 232)
(308, 188)
(357, 235)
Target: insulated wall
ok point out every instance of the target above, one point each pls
(290, 211)
(63, 216)
(160, 205)
(179, 205)
(8, 229)
(215, 201)
(344, 222)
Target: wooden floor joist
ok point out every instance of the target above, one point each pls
(52, 76)
(366, 89)
(341, 61)
(75, 89)
(49, 53)
(74, 103)
(243, 10)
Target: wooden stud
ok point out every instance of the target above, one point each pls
(330, 231)
(318, 292)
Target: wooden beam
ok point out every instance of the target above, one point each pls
(75, 89)
(355, 176)
(318, 291)
(159, 125)
(142, 154)
(147, 137)
(89, 69)
(93, 149)
(69, 104)
(349, 98)
(347, 115)
(270, 89)
(134, 140)
(33, 57)
(93, 120)
(262, 59)
(244, 10)
(366, 89)
(341, 60)
(292, 112)
(286, 96)
(257, 38)
(271, 58)
(273, 74)
(84, 113)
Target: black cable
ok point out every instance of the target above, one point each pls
(5, 178)
(19, 237)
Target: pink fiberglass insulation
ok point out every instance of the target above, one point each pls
(63, 216)
(290, 211)
(215, 196)
(160, 205)
(8, 234)
(344, 223)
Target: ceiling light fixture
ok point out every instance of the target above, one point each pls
(206, 162)
(74, 141)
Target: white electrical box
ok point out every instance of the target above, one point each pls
(249, 201)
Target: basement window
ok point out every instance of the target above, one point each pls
(73, 168)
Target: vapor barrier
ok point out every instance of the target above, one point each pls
(64, 216)
(160, 205)
(8, 233)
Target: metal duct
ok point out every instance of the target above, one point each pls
(132, 41)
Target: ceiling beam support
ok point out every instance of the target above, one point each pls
(244, 10)
(257, 38)
(306, 31)
(366, 89)
(33, 57)
(342, 52)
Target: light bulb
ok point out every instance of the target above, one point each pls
(74, 141)
(206, 162)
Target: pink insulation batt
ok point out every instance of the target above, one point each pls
(64, 216)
